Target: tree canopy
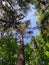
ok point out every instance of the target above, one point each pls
(12, 12)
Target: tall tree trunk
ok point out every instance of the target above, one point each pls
(21, 60)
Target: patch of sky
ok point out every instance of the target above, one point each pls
(33, 20)
(30, 16)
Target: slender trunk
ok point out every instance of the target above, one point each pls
(21, 60)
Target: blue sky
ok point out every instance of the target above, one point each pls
(30, 16)
(33, 20)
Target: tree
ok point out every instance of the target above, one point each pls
(8, 51)
(11, 19)
(41, 42)
(43, 18)
(37, 53)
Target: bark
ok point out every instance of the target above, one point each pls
(21, 60)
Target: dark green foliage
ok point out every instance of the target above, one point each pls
(8, 51)
(37, 55)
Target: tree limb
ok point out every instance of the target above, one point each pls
(4, 20)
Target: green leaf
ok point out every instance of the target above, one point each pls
(47, 44)
(47, 53)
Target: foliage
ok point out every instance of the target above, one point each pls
(43, 37)
(37, 51)
(8, 51)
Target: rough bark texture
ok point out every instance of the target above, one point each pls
(21, 60)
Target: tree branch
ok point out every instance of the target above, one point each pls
(4, 20)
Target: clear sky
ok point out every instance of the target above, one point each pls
(33, 20)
